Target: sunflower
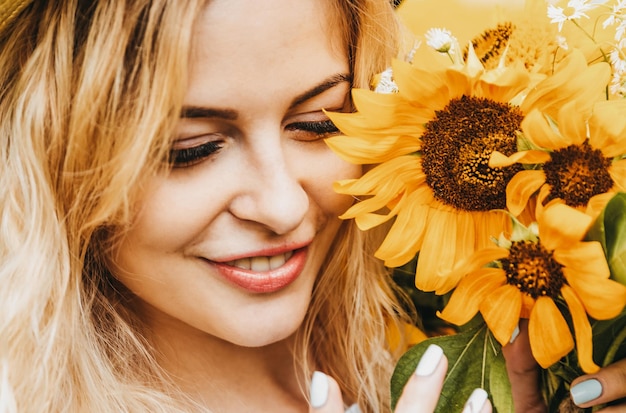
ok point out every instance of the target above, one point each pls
(529, 275)
(527, 38)
(431, 142)
(516, 32)
(581, 161)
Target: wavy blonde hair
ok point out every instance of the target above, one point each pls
(89, 95)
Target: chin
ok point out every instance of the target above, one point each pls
(260, 335)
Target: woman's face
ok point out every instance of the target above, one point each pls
(231, 241)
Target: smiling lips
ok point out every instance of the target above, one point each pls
(261, 263)
(264, 274)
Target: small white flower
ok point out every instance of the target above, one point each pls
(386, 84)
(562, 42)
(617, 87)
(618, 61)
(441, 40)
(621, 29)
(416, 45)
(557, 15)
(577, 9)
(617, 17)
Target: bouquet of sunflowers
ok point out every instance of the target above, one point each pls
(500, 161)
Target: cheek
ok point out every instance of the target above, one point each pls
(322, 182)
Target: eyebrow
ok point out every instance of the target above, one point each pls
(199, 112)
(195, 112)
(322, 87)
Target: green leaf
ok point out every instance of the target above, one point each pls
(610, 230)
(474, 360)
(609, 339)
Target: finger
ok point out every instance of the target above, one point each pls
(607, 385)
(325, 395)
(614, 409)
(523, 372)
(421, 392)
(478, 402)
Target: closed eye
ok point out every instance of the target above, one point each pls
(319, 129)
(180, 158)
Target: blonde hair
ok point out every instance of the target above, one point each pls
(89, 95)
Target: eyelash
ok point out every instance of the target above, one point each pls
(319, 128)
(189, 156)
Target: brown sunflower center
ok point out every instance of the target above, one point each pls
(491, 43)
(577, 173)
(533, 269)
(456, 146)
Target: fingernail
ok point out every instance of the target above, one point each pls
(353, 409)
(515, 334)
(586, 391)
(476, 401)
(319, 389)
(429, 361)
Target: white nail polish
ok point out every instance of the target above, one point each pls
(429, 361)
(476, 401)
(586, 391)
(515, 334)
(319, 389)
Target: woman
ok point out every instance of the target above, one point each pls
(170, 239)
(169, 233)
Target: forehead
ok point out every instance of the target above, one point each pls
(263, 46)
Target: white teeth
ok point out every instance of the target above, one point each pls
(261, 264)
(242, 263)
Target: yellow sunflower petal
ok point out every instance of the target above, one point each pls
(405, 237)
(471, 263)
(429, 88)
(508, 84)
(607, 127)
(500, 160)
(521, 187)
(459, 84)
(582, 329)
(448, 239)
(528, 303)
(584, 258)
(572, 80)
(571, 123)
(501, 311)
(550, 337)
(596, 203)
(402, 121)
(385, 180)
(490, 225)
(358, 150)
(560, 225)
(471, 291)
(618, 172)
(603, 298)
(537, 130)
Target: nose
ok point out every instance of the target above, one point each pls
(273, 195)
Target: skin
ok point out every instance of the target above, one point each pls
(266, 67)
(613, 380)
(524, 375)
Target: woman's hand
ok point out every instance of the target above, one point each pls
(607, 385)
(420, 394)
